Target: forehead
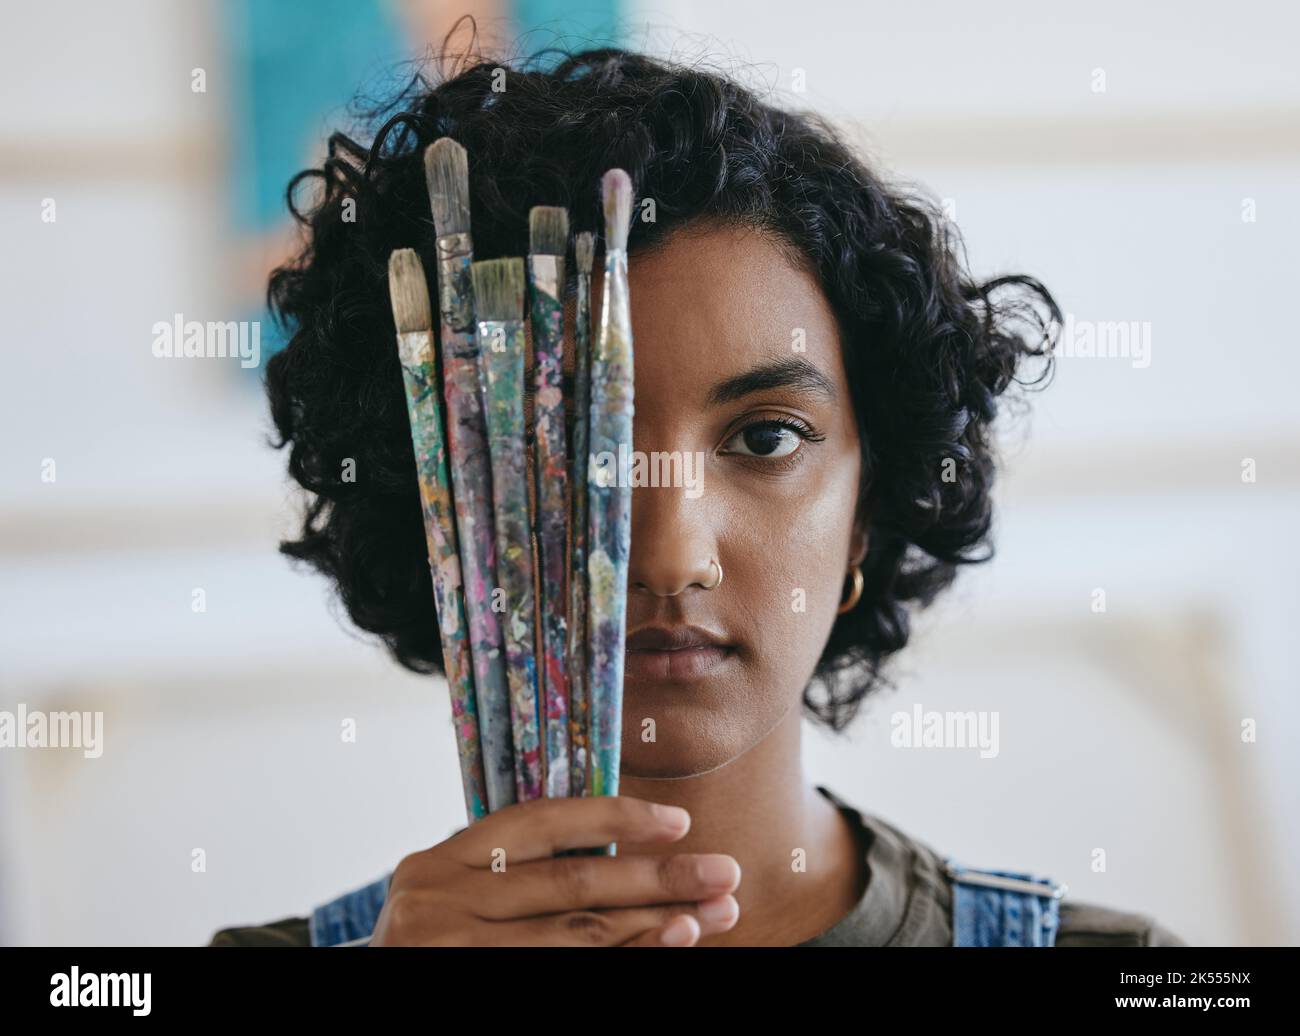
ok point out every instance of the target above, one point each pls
(713, 301)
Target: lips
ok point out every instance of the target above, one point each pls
(674, 652)
(673, 638)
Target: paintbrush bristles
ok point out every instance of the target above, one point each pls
(584, 250)
(498, 289)
(616, 198)
(446, 170)
(548, 230)
(409, 292)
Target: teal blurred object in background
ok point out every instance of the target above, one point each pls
(291, 67)
(594, 22)
(296, 68)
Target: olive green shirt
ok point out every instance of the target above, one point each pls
(907, 902)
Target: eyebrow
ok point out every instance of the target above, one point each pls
(792, 372)
(789, 373)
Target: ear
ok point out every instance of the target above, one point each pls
(860, 542)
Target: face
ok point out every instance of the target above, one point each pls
(738, 364)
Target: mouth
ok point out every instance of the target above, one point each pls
(674, 653)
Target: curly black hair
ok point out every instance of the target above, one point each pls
(927, 348)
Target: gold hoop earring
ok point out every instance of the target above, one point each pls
(712, 563)
(856, 594)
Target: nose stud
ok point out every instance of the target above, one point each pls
(716, 583)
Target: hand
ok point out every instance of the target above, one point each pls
(450, 895)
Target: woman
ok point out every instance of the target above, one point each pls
(812, 331)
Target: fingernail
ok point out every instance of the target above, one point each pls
(672, 817)
(717, 869)
(678, 932)
(718, 911)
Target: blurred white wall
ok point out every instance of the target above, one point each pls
(1119, 730)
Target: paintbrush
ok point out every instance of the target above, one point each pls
(499, 312)
(413, 316)
(446, 169)
(548, 231)
(609, 519)
(584, 247)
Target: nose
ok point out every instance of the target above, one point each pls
(673, 545)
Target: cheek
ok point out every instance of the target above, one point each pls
(790, 554)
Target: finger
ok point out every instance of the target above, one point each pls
(711, 916)
(680, 931)
(416, 923)
(540, 828)
(569, 883)
(607, 927)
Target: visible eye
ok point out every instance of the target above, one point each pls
(772, 438)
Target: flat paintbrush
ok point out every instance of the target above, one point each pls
(499, 313)
(609, 521)
(413, 316)
(548, 228)
(446, 168)
(584, 247)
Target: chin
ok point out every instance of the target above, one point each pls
(657, 766)
(685, 745)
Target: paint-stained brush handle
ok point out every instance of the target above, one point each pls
(475, 524)
(549, 234)
(584, 246)
(498, 300)
(609, 526)
(413, 316)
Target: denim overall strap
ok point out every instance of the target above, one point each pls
(350, 919)
(1003, 908)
